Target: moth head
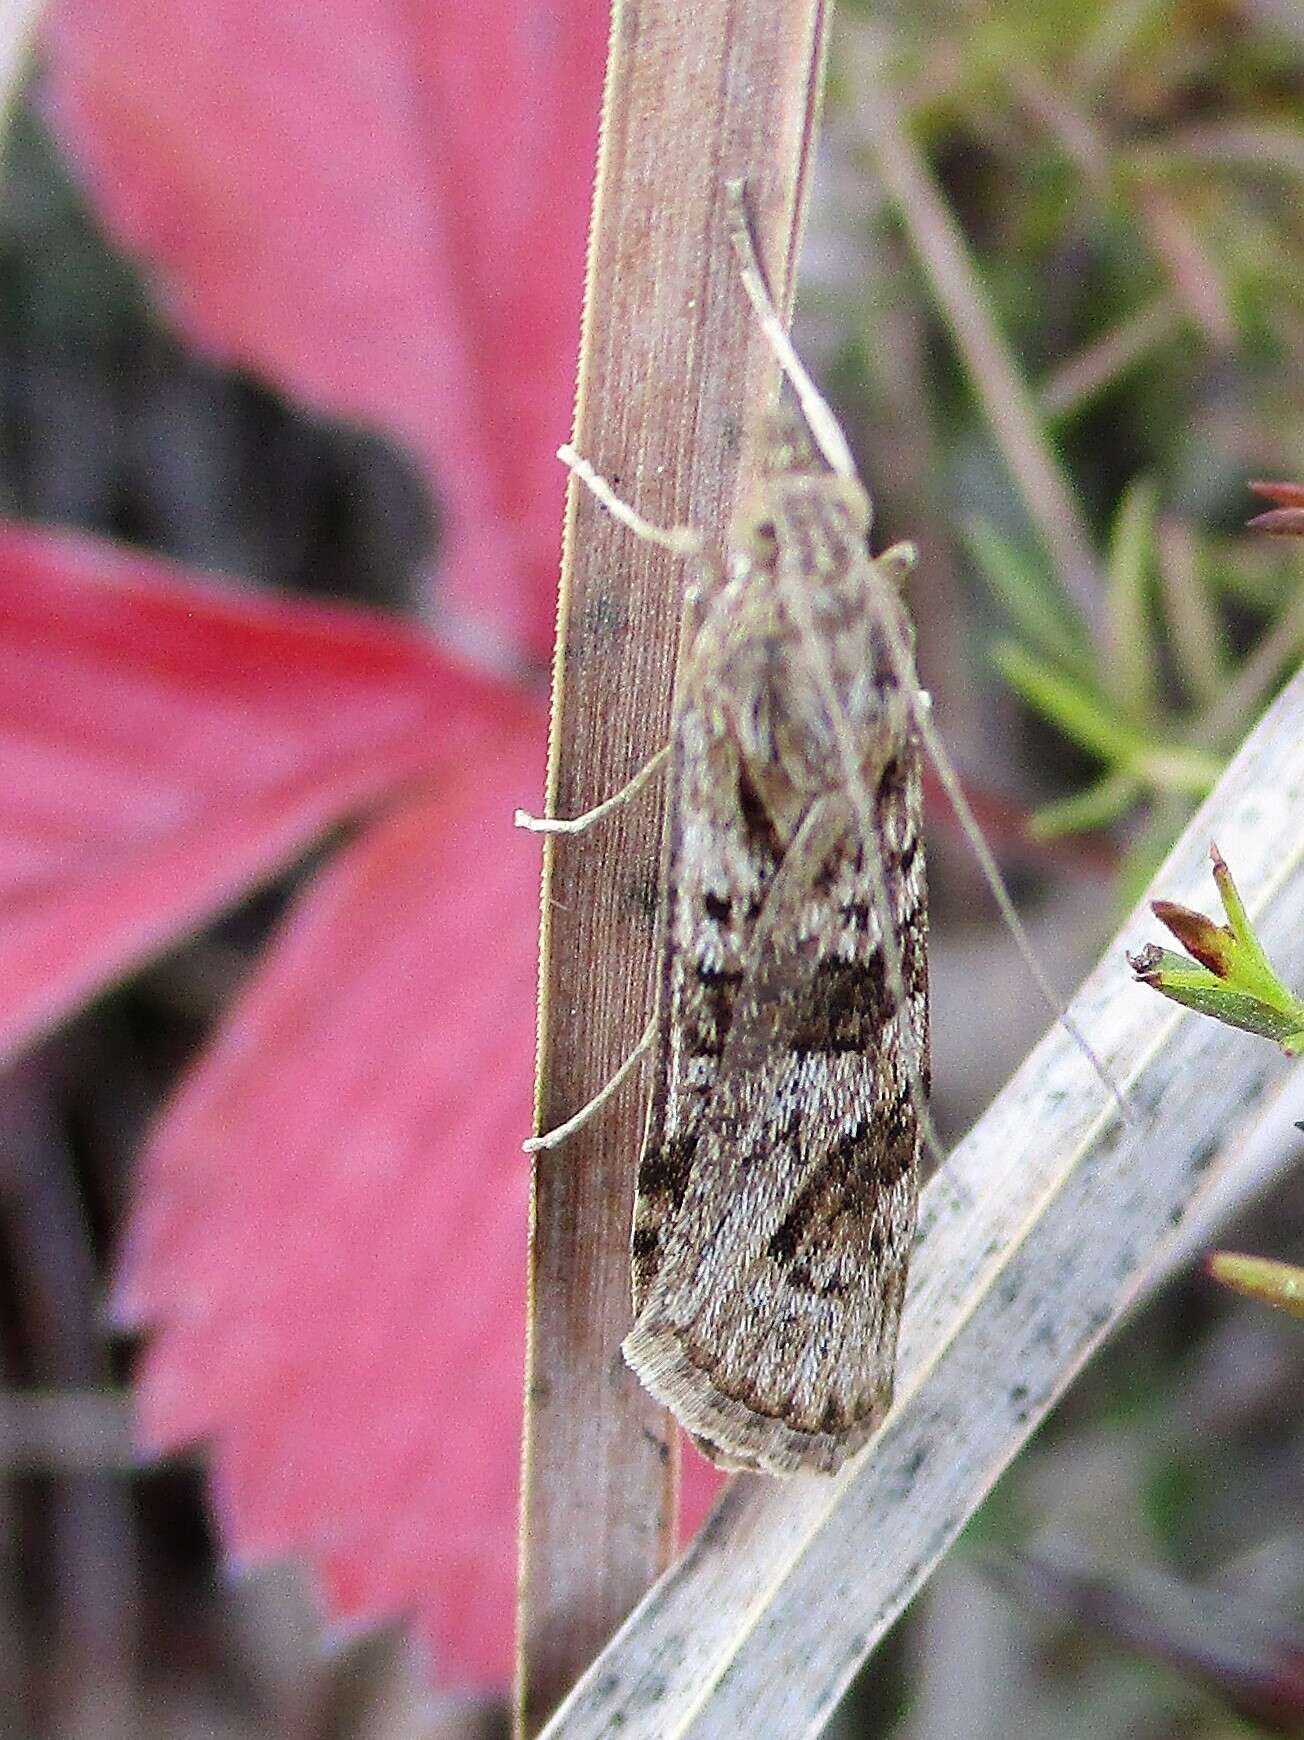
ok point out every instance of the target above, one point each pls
(784, 446)
(788, 466)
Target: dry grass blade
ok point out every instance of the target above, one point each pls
(1192, 620)
(1242, 693)
(698, 91)
(1094, 370)
(1190, 269)
(1049, 1220)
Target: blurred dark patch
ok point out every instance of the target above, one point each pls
(108, 423)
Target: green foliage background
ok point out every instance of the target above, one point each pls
(1126, 181)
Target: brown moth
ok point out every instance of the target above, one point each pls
(778, 1183)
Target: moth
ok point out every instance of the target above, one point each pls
(778, 1184)
(777, 1188)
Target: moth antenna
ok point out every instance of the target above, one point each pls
(833, 445)
(815, 407)
(992, 874)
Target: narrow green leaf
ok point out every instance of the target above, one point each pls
(1194, 987)
(1091, 722)
(1194, 631)
(1175, 768)
(1234, 907)
(1068, 704)
(1133, 676)
(1229, 976)
(1279, 1284)
(1086, 811)
(1033, 598)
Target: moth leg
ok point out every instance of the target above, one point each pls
(581, 824)
(554, 1138)
(815, 407)
(681, 540)
(898, 562)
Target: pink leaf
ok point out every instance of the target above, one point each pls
(331, 1239)
(163, 744)
(381, 208)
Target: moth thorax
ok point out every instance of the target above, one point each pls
(821, 521)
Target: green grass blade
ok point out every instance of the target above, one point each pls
(1032, 598)
(1133, 675)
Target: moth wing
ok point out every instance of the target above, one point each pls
(770, 1325)
(719, 864)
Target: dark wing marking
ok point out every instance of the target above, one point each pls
(715, 887)
(801, 1178)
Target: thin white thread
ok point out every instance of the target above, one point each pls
(680, 540)
(824, 426)
(581, 824)
(555, 1137)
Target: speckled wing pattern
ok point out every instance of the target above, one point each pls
(777, 1188)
